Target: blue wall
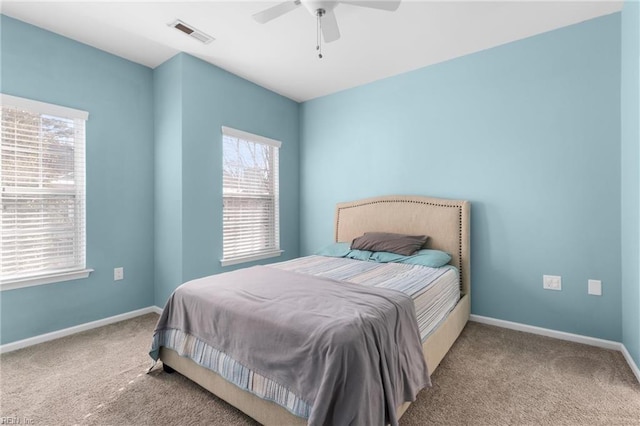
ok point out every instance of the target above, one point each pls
(210, 98)
(528, 132)
(118, 95)
(631, 178)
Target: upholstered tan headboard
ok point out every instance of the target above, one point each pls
(446, 222)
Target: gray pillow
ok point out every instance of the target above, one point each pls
(386, 241)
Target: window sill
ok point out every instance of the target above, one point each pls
(251, 258)
(44, 279)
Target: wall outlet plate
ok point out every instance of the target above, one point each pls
(595, 288)
(118, 274)
(552, 282)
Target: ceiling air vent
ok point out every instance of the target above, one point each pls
(192, 32)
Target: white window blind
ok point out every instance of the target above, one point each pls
(251, 223)
(42, 179)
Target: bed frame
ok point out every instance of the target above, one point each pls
(446, 222)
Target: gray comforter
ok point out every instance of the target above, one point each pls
(352, 352)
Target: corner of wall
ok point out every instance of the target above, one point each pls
(630, 178)
(167, 90)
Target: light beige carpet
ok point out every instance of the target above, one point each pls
(491, 376)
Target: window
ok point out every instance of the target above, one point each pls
(250, 217)
(42, 204)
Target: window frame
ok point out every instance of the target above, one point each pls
(275, 251)
(79, 271)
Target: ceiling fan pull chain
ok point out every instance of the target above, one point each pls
(319, 14)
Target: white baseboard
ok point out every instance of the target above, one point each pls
(592, 341)
(8, 347)
(630, 361)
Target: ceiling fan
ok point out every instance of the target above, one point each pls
(327, 25)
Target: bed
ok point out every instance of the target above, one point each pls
(446, 222)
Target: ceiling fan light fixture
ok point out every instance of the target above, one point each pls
(191, 31)
(313, 6)
(327, 25)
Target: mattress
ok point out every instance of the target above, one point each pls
(435, 291)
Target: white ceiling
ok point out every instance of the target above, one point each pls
(281, 55)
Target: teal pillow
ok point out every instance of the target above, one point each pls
(424, 257)
(343, 250)
(335, 250)
(360, 255)
(386, 257)
(430, 258)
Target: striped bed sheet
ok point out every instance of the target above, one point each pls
(435, 291)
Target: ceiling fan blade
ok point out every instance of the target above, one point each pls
(330, 30)
(389, 5)
(275, 11)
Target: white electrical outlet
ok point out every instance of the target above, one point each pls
(552, 282)
(118, 274)
(595, 287)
